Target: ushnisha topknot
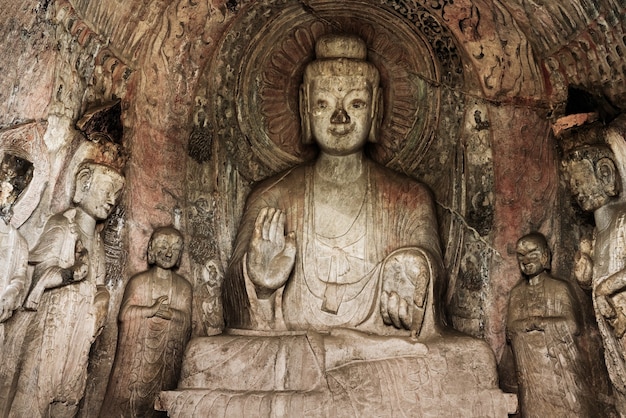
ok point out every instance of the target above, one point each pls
(341, 55)
(341, 46)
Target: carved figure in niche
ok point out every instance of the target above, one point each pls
(70, 297)
(342, 241)
(336, 265)
(155, 325)
(541, 326)
(595, 174)
(15, 175)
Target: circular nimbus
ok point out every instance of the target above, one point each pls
(257, 71)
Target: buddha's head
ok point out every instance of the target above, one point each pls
(165, 247)
(340, 96)
(533, 254)
(98, 188)
(592, 176)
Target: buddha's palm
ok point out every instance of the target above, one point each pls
(271, 255)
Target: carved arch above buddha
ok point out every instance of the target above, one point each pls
(250, 92)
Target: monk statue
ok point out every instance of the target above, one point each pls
(542, 326)
(341, 242)
(155, 324)
(596, 174)
(69, 296)
(15, 175)
(332, 298)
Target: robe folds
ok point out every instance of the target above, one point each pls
(149, 350)
(397, 212)
(549, 365)
(64, 326)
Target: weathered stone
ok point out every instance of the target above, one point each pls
(543, 325)
(343, 247)
(208, 104)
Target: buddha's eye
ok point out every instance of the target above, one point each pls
(358, 104)
(321, 104)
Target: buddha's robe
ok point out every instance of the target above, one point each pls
(549, 366)
(149, 350)
(63, 328)
(336, 280)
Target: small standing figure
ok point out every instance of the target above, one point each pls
(70, 299)
(541, 326)
(155, 325)
(15, 175)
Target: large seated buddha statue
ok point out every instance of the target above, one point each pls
(333, 295)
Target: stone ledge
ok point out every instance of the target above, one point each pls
(289, 375)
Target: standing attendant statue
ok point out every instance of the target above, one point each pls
(155, 325)
(542, 325)
(70, 298)
(596, 174)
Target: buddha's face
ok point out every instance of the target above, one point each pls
(165, 250)
(101, 197)
(340, 113)
(589, 191)
(532, 257)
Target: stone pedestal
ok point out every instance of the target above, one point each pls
(320, 375)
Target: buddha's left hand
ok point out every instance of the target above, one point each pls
(404, 289)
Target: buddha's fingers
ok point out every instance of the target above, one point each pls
(259, 224)
(384, 307)
(267, 223)
(404, 313)
(394, 309)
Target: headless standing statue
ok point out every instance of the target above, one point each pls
(15, 175)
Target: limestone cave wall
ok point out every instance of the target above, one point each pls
(205, 92)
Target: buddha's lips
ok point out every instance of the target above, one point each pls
(341, 132)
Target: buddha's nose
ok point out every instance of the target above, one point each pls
(340, 116)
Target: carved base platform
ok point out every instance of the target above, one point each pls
(313, 375)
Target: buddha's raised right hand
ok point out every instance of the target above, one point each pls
(271, 254)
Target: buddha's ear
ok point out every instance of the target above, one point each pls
(607, 174)
(83, 183)
(376, 114)
(305, 120)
